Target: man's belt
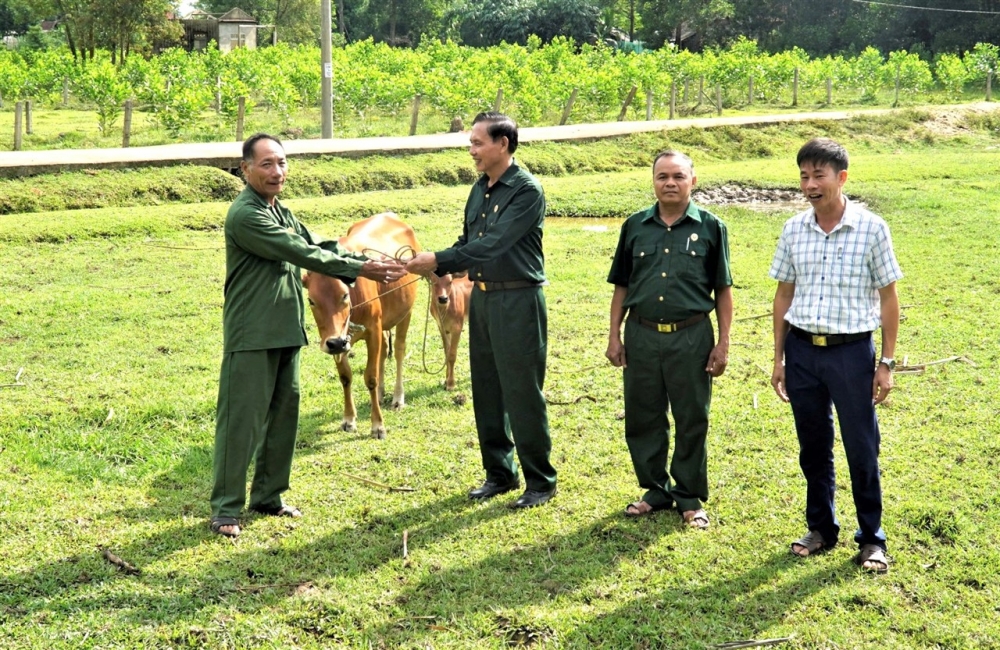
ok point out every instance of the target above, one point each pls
(669, 327)
(503, 286)
(826, 340)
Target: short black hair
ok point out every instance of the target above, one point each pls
(686, 159)
(823, 151)
(499, 126)
(252, 141)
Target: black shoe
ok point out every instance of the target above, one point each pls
(532, 498)
(491, 488)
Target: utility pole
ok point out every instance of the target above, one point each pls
(326, 85)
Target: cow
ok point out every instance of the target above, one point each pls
(449, 306)
(369, 310)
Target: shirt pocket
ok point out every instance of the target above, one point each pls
(644, 258)
(850, 269)
(693, 257)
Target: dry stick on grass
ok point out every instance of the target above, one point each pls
(919, 368)
(570, 403)
(17, 380)
(406, 536)
(758, 316)
(379, 485)
(118, 562)
(752, 643)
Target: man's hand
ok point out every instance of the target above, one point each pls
(387, 271)
(718, 360)
(422, 263)
(778, 381)
(616, 352)
(882, 384)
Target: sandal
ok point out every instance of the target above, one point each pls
(872, 558)
(811, 543)
(634, 509)
(218, 523)
(696, 518)
(279, 511)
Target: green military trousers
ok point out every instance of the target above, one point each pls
(666, 371)
(508, 343)
(257, 415)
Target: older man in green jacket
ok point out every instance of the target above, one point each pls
(263, 331)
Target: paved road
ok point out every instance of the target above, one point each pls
(226, 155)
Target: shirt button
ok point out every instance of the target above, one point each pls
(487, 196)
(661, 298)
(666, 250)
(480, 234)
(663, 275)
(693, 253)
(479, 275)
(668, 228)
(642, 254)
(483, 214)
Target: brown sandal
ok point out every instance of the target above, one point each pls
(872, 558)
(696, 519)
(811, 543)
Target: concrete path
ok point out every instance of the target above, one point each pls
(226, 155)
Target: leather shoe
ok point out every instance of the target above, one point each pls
(532, 498)
(491, 488)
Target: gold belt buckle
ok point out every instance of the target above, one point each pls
(666, 327)
(481, 285)
(819, 340)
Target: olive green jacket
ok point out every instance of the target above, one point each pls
(265, 248)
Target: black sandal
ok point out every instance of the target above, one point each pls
(219, 522)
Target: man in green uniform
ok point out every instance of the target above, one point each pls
(501, 248)
(670, 269)
(263, 330)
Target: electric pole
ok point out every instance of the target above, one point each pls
(326, 86)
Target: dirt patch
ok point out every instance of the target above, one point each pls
(763, 198)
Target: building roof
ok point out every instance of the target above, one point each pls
(237, 15)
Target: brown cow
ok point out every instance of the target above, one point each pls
(380, 307)
(449, 306)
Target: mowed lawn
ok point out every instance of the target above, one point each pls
(107, 445)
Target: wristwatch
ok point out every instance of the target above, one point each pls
(889, 363)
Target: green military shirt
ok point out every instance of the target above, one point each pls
(501, 237)
(671, 272)
(265, 246)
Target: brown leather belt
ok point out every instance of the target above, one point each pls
(826, 340)
(503, 286)
(669, 327)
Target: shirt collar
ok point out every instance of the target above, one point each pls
(484, 180)
(850, 218)
(692, 212)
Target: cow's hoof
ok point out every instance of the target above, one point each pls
(449, 386)
(378, 434)
(396, 406)
(349, 427)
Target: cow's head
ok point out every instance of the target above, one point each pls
(441, 288)
(330, 302)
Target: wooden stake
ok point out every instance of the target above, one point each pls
(127, 124)
(569, 106)
(627, 103)
(415, 115)
(241, 109)
(18, 111)
(499, 100)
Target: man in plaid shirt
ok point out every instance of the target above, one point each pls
(836, 274)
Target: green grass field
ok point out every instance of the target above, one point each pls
(114, 314)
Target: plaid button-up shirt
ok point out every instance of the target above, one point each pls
(837, 275)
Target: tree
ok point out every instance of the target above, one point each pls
(663, 20)
(17, 16)
(296, 21)
(482, 23)
(576, 19)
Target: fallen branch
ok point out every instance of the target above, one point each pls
(406, 535)
(570, 403)
(118, 562)
(752, 643)
(919, 368)
(379, 485)
(253, 589)
(758, 316)
(17, 380)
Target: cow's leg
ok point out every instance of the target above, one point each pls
(376, 354)
(349, 422)
(381, 367)
(398, 398)
(451, 355)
